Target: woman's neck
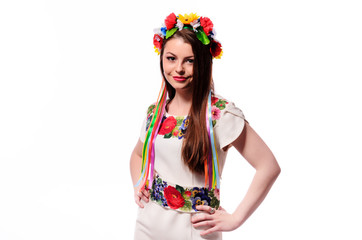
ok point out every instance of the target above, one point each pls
(180, 105)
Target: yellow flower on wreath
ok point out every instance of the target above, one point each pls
(157, 51)
(188, 18)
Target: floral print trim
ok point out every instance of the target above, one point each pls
(175, 127)
(217, 105)
(171, 127)
(180, 198)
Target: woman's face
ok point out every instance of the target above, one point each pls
(178, 63)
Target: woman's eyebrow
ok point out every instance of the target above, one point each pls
(191, 56)
(170, 53)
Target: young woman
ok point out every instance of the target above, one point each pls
(184, 141)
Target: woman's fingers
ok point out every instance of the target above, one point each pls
(206, 208)
(137, 199)
(201, 217)
(144, 195)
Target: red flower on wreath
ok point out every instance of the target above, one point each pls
(173, 197)
(168, 125)
(215, 48)
(206, 24)
(170, 21)
(157, 41)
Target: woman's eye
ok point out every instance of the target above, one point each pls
(190, 60)
(171, 58)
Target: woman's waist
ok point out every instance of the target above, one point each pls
(182, 198)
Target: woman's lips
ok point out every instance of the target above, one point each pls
(179, 79)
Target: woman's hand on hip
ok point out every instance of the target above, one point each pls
(143, 194)
(215, 220)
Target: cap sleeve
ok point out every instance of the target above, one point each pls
(229, 125)
(146, 122)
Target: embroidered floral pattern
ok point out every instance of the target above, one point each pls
(217, 105)
(182, 198)
(167, 125)
(174, 198)
(175, 127)
(171, 127)
(156, 192)
(215, 113)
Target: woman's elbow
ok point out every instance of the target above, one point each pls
(271, 168)
(275, 169)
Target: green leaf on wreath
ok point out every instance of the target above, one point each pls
(201, 35)
(170, 32)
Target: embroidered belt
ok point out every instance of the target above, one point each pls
(184, 199)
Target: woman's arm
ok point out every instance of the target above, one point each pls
(257, 153)
(135, 167)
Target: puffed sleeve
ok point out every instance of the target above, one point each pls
(229, 125)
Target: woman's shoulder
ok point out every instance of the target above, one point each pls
(222, 108)
(227, 119)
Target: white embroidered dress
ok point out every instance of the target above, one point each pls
(155, 222)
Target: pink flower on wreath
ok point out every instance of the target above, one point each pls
(170, 21)
(215, 113)
(168, 125)
(206, 24)
(188, 193)
(157, 41)
(175, 133)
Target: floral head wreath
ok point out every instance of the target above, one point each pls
(202, 26)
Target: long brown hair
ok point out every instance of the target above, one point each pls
(196, 146)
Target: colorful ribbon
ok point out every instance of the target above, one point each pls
(212, 163)
(148, 152)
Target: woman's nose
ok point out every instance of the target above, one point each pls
(180, 69)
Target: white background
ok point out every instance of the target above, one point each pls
(76, 78)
